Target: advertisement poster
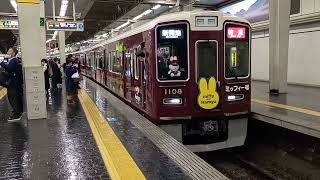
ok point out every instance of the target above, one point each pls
(256, 10)
(252, 10)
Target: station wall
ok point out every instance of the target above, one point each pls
(304, 55)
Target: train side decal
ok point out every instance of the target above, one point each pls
(208, 97)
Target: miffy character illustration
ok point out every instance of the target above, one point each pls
(174, 67)
(208, 97)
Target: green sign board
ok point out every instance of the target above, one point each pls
(42, 21)
(8, 24)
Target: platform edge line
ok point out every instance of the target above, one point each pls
(113, 171)
(287, 107)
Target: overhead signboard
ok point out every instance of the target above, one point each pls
(9, 24)
(65, 25)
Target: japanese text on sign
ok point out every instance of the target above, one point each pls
(237, 88)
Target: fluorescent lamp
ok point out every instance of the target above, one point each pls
(138, 17)
(63, 8)
(14, 5)
(156, 7)
(123, 25)
(147, 12)
(105, 35)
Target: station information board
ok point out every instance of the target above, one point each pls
(65, 25)
(9, 24)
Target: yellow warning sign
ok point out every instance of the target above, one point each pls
(208, 97)
(29, 1)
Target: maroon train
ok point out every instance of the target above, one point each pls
(188, 72)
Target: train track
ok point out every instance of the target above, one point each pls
(263, 174)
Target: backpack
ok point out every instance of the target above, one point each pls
(4, 78)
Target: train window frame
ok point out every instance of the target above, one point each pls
(127, 58)
(224, 50)
(114, 56)
(196, 58)
(109, 62)
(188, 51)
(136, 65)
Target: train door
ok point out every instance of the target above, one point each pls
(207, 65)
(136, 85)
(143, 79)
(127, 74)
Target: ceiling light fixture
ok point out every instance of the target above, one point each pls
(156, 7)
(123, 25)
(14, 5)
(63, 8)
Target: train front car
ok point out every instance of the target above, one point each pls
(203, 79)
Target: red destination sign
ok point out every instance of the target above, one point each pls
(236, 32)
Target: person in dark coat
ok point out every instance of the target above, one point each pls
(15, 87)
(44, 64)
(59, 79)
(70, 84)
(56, 73)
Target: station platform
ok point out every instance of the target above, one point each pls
(97, 137)
(297, 110)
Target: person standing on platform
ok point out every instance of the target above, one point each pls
(76, 63)
(57, 61)
(56, 73)
(44, 64)
(15, 87)
(70, 70)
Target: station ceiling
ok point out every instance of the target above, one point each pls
(99, 14)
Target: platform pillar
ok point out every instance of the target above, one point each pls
(31, 48)
(279, 44)
(43, 51)
(62, 46)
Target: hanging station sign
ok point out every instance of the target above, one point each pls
(65, 25)
(9, 24)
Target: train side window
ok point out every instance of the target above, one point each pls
(172, 52)
(145, 69)
(109, 62)
(115, 62)
(206, 59)
(237, 51)
(136, 64)
(127, 64)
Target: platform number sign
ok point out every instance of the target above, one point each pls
(208, 97)
(42, 22)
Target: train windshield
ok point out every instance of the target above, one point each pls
(172, 52)
(237, 50)
(207, 55)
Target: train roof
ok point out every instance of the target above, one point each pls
(172, 17)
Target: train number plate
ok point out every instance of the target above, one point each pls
(209, 127)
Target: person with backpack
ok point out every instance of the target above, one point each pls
(15, 84)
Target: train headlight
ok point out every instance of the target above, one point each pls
(172, 101)
(235, 97)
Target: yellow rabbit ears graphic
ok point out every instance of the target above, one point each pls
(208, 97)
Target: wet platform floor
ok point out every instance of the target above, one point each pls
(63, 147)
(60, 147)
(298, 109)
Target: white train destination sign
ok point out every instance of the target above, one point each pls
(65, 25)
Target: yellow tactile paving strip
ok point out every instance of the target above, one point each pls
(118, 161)
(291, 108)
(3, 92)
